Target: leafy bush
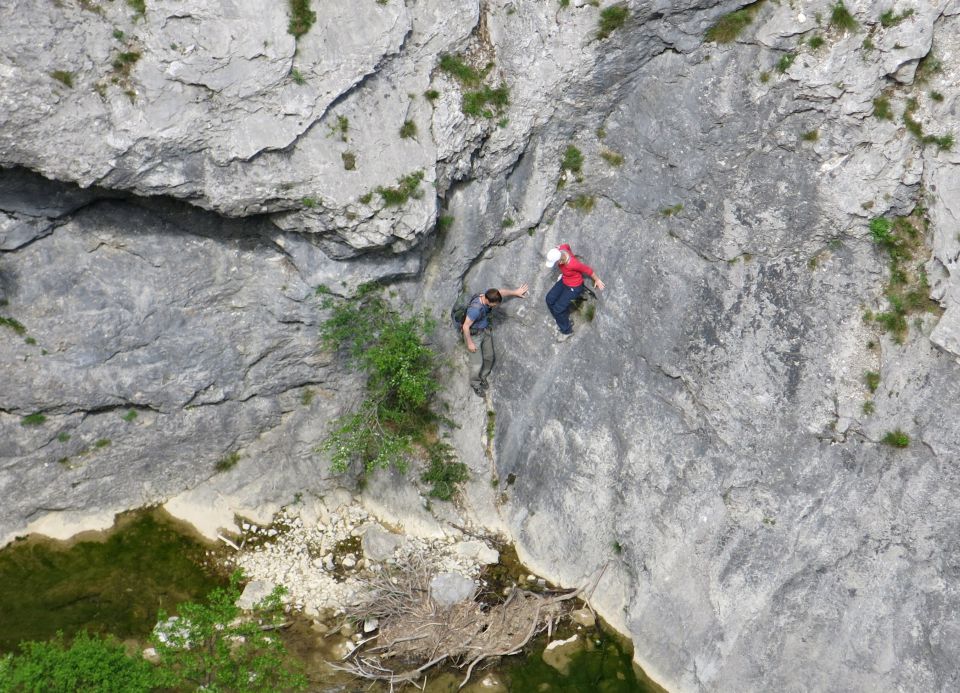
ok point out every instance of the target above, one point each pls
(301, 18)
(444, 472)
(611, 19)
(211, 646)
(400, 386)
(89, 664)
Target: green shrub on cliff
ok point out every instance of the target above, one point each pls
(301, 18)
(391, 351)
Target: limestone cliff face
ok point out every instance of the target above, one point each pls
(178, 183)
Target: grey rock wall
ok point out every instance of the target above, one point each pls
(700, 447)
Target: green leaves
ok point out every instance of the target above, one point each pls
(215, 647)
(400, 369)
(90, 664)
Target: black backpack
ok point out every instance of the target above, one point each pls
(459, 311)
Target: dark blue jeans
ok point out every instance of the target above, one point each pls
(559, 299)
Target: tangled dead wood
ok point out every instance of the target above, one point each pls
(416, 633)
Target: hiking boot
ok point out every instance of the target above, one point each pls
(564, 336)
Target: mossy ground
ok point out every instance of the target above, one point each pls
(112, 584)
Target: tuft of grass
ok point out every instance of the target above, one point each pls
(119, 35)
(611, 19)
(297, 77)
(102, 443)
(309, 202)
(764, 77)
(13, 324)
(63, 436)
(365, 198)
(572, 160)
(867, 44)
(306, 397)
(908, 289)
(228, 462)
(868, 407)
(872, 379)
(507, 223)
(349, 160)
(130, 415)
(407, 186)
(896, 439)
(672, 211)
(944, 142)
(431, 95)
(583, 203)
(815, 42)
(611, 157)
(445, 222)
(810, 136)
(301, 18)
(486, 101)
(928, 66)
(936, 96)
(408, 129)
(64, 77)
(841, 19)
(124, 61)
(786, 61)
(491, 424)
(139, 7)
(35, 419)
(728, 27)
(890, 18)
(459, 70)
(881, 108)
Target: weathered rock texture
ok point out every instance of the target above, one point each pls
(702, 440)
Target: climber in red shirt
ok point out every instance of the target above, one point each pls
(568, 288)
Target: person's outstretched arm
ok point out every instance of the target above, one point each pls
(519, 292)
